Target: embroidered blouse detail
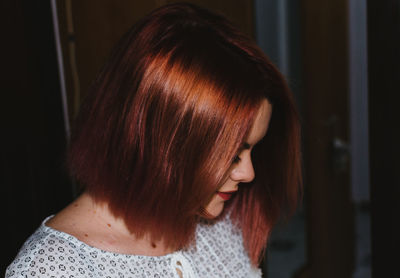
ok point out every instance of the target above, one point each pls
(218, 252)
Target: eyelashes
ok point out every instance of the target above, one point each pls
(236, 159)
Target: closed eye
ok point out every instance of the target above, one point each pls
(245, 146)
(236, 159)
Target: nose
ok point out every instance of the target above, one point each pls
(243, 171)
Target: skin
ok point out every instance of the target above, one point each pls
(94, 224)
(242, 170)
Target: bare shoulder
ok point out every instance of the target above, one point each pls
(90, 223)
(75, 219)
(96, 226)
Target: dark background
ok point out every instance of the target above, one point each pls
(33, 180)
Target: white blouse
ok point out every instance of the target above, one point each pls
(218, 252)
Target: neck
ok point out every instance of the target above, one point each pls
(94, 224)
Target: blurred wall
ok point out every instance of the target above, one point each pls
(384, 100)
(32, 177)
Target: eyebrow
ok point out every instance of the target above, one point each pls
(246, 146)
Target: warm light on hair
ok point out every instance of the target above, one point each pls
(165, 118)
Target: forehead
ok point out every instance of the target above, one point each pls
(261, 123)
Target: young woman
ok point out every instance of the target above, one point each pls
(187, 149)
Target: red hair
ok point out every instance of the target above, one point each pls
(165, 118)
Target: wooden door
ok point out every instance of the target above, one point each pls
(330, 214)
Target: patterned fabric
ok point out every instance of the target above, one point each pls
(218, 252)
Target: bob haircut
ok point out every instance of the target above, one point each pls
(165, 118)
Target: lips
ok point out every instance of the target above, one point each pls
(226, 195)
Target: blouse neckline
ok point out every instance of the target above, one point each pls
(74, 240)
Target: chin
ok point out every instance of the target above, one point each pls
(213, 210)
